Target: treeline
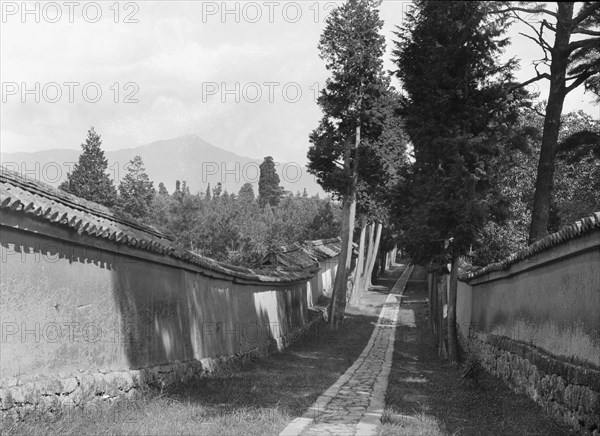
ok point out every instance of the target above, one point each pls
(237, 228)
(241, 229)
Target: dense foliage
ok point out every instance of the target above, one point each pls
(576, 190)
(236, 229)
(239, 229)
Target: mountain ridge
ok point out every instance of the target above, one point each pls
(187, 157)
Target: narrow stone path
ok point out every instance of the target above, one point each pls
(353, 405)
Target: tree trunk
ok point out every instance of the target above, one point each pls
(373, 250)
(358, 271)
(452, 334)
(337, 306)
(442, 324)
(366, 263)
(384, 262)
(556, 97)
(430, 300)
(338, 299)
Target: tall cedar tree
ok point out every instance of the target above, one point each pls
(269, 190)
(458, 103)
(352, 48)
(89, 179)
(136, 191)
(572, 58)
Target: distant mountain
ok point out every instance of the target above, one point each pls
(188, 158)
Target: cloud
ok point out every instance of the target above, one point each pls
(167, 61)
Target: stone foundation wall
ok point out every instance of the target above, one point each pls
(568, 392)
(48, 394)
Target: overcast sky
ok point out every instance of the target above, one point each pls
(241, 75)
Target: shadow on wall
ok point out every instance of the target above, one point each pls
(68, 307)
(172, 314)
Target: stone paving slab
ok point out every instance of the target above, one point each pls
(354, 404)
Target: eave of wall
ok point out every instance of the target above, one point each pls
(564, 243)
(570, 248)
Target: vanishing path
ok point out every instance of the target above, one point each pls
(353, 405)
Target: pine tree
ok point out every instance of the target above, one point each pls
(269, 190)
(89, 179)
(136, 191)
(571, 57)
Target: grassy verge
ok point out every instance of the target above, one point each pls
(427, 396)
(258, 398)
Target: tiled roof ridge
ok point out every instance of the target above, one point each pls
(68, 199)
(306, 245)
(43, 202)
(567, 233)
(317, 242)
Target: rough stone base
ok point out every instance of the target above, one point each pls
(569, 393)
(49, 394)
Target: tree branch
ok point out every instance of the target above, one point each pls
(532, 11)
(527, 82)
(583, 43)
(586, 31)
(541, 114)
(582, 78)
(548, 25)
(586, 73)
(585, 13)
(539, 33)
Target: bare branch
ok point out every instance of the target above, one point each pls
(530, 10)
(527, 82)
(537, 63)
(539, 33)
(548, 25)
